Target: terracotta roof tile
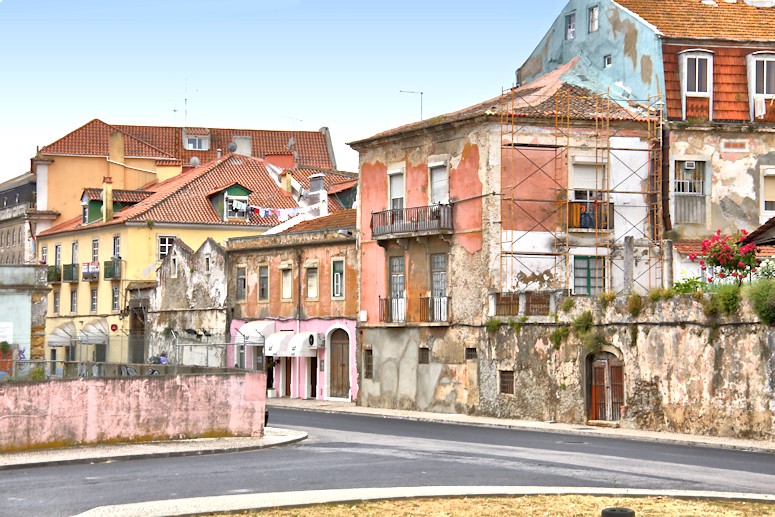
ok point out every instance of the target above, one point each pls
(93, 139)
(120, 196)
(339, 220)
(197, 131)
(694, 19)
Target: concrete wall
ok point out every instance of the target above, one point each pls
(60, 413)
(23, 308)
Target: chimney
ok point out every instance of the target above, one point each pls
(116, 157)
(107, 199)
(286, 180)
(316, 182)
(218, 153)
(317, 193)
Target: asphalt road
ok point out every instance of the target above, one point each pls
(353, 451)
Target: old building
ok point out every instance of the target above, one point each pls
(23, 292)
(494, 212)
(293, 298)
(19, 220)
(102, 264)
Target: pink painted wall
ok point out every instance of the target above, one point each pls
(60, 413)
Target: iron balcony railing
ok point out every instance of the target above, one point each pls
(434, 309)
(54, 274)
(591, 215)
(112, 269)
(392, 310)
(408, 221)
(70, 272)
(90, 272)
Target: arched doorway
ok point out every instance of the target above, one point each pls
(339, 364)
(605, 374)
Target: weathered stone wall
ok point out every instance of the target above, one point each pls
(90, 410)
(683, 371)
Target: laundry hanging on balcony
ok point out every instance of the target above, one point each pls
(282, 214)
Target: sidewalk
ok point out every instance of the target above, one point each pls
(527, 425)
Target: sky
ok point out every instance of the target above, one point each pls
(252, 64)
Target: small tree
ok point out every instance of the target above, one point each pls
(727, 257)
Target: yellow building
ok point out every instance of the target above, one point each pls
(102, 262)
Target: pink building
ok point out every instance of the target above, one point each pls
(294, 297)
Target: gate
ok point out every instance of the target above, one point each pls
(607, 389)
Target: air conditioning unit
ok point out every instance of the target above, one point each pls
(690, 166)
(317, 341)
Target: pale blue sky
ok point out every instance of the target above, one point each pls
(259, 64)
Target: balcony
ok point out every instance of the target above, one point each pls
(90, 271)
(112, 269)
(54, 274)
(421, 220)
(590, 215)
(434, 309)
(70, 273)
(392, 310)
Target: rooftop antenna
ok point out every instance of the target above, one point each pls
(410, 91)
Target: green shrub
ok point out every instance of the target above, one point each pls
(728, 297)
(567, 304)
(583, 323)
(492, 325)
(4, 347)
(37, 374)
(594, 341)
(633, 335)
(711, 306)
(689, 285)
(607, 298)
(559, 335)
(634, 304)
(761, 294)
(655, 295)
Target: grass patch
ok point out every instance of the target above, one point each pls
(492, 325)
(634, 304)
(583, 323)
(567, 304)
(606, 299)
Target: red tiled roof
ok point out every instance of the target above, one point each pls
(339, 220)
(168, 163)
(694, 247)
(120, 196)
(695, 19)
(166, 143)
(197, 131)
(185, 198)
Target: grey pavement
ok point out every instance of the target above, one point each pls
(276, 437)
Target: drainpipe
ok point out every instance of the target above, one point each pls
(298, 290)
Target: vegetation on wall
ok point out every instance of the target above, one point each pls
(559, 335)
(607, 298)
(567, 304)
(761, 294)
(492, 325)
(634, 304)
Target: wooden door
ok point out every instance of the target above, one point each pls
(287, 377)
(339, 364)
(313, 377)
(607, 390)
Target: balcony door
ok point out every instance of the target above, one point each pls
(396, 197)
(439, 286)
(397, 288)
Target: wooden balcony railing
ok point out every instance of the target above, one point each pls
(591, 215)
(70, 273)
(434, 309)
(409, 221)
(112, 269)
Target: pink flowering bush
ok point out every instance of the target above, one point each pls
(727, 257)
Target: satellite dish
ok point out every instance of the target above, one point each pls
(194, 162)
(232, 147)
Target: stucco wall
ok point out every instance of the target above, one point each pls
(58, 413)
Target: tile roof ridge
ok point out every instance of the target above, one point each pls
(92, 121)
(163, 154)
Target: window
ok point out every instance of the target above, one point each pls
(165, 245)
(506, 381)
(95, 250)
(286, 277)
(588, 275)
(93, 300)
(235, 207)
(697, 75)
(56, 302)
(768, 196)
(44, 255)
(608, 60)
(197, 143)
(437, 308)
(764, 75)
(396, 189)
(174, 267)
(74, 252)
(312, 283)
(84, 214)
(368, 364)
(337, 278)
(439, 183)
(570, 26)
(73, 301)
(263, 283)
(397, 279)
(241, 283)
(594, 18)
(471, 354)
(116, 246)
(58, 255)
(689, 191)
(19, 239)
(424, 356)
(207, 263)
(114, 299)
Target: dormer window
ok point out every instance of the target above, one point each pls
(198, 143)
(196, 138)
(696, 70)
(761, 82)
(235, 207)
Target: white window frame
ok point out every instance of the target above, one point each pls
(608, 61)
(337, 284)
(95, 250)
(754, 97)
(706, 185)
(116, 246)
(197, 143)
(268, 284)
(593, 19)
(58, 255)
(316, 294)
(228, 213)
(56, 302)
(73, 301)
(437, 166)
(766, 215)
(241, 275)
(93, 305)
(391, 195)
(115, 294)
(570, 26)
(44, 254)
(286, 283)
(74, 252)
(166, 246)
(683, 68)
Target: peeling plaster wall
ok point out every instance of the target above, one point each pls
(83, 411)
(634, 48)
(23, 292)
(735, 176)
(678, 375)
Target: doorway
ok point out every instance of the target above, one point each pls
(606, 385)
(313, 378)
(339, 364)
(287, 377)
